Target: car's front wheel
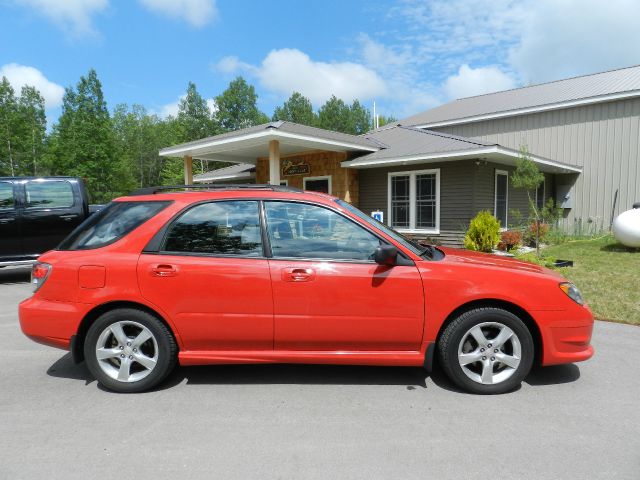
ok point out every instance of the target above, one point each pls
(486, 351)
(128, 350)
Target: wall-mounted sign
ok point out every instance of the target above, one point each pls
(289, 167)
(378, 215)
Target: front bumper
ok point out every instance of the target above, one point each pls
(566, 335)
(49, 322)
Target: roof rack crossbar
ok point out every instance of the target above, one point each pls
(154, 190)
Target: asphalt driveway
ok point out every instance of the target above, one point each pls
(574, 421)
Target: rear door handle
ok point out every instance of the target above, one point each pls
(164, 270)
(68, 217)
(6, 220)
(297, 274)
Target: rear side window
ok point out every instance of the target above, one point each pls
(6, 195)
(56, 194)
(110, 224)
(217, 228)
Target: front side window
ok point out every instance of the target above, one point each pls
(110, 224)
(299, 230)
(414, 201)
(217, 228)
(49, 194)
(6, 195)
(501, 197)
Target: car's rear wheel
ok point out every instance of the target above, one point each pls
(128, 350)
(486, 351)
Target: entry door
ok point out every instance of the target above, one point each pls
(212, 279)
(10, 239)
(329, 294)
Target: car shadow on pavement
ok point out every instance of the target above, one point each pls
(10, 276)
(553, 375)
(292, 374)
(65, 367)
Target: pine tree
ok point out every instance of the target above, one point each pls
(336, 115)
(8, 128)
(360, 118)
(237, 107)
(33, 129)
(82, 143)
(296, 109)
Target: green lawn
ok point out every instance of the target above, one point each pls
(607, 274)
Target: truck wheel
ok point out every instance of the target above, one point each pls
(486, 351)
(129, 351)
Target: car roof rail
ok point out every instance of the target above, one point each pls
(160, 189)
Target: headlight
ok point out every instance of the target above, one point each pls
(572, 292)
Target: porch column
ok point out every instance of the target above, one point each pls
(188, 170)
(274, 162)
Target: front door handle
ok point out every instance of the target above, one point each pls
(6, 220)
(68, 217)
(164, 270)
(297, 274)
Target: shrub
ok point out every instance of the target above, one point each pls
(483, 233)
(530, 234)
(510, 239)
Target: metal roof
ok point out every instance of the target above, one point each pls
(235, 172)
(597, 87)
(289, 132)
(403, 141)
(410, 145)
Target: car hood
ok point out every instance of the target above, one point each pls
(468, 257)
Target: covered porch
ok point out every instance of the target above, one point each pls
(280, 153)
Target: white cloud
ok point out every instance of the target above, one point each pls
(20, 75)
(476, 81)
(196, 12)
(287, 70)
(72, 15)
(565, 38)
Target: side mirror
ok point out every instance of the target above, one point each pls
(386, 255)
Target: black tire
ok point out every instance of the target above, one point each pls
(162, 346)
(489, 319)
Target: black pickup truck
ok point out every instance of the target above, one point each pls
(36, 213)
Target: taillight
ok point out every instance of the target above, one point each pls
(39, 273)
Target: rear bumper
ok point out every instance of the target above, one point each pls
(50, 323)
(566, 336)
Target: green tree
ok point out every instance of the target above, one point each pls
(360, 118)
(83, 141)
(237, 107)
(336, 115)
(527, 176)
(33, 122)
(297, 109)
(384, 120)
(9, 122)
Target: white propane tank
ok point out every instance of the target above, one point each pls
(626, 227)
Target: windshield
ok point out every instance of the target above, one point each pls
(409, 244)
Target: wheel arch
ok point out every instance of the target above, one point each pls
(77, 345)
(513, 308)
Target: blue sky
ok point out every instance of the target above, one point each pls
(406, 55)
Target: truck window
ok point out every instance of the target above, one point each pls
(6, 195)
(56, 194)
(110, 224)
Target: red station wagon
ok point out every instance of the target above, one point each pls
(269, 274)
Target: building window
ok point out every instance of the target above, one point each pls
(318, 184)
(501, 197)
(414, 201)
(540, 200)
